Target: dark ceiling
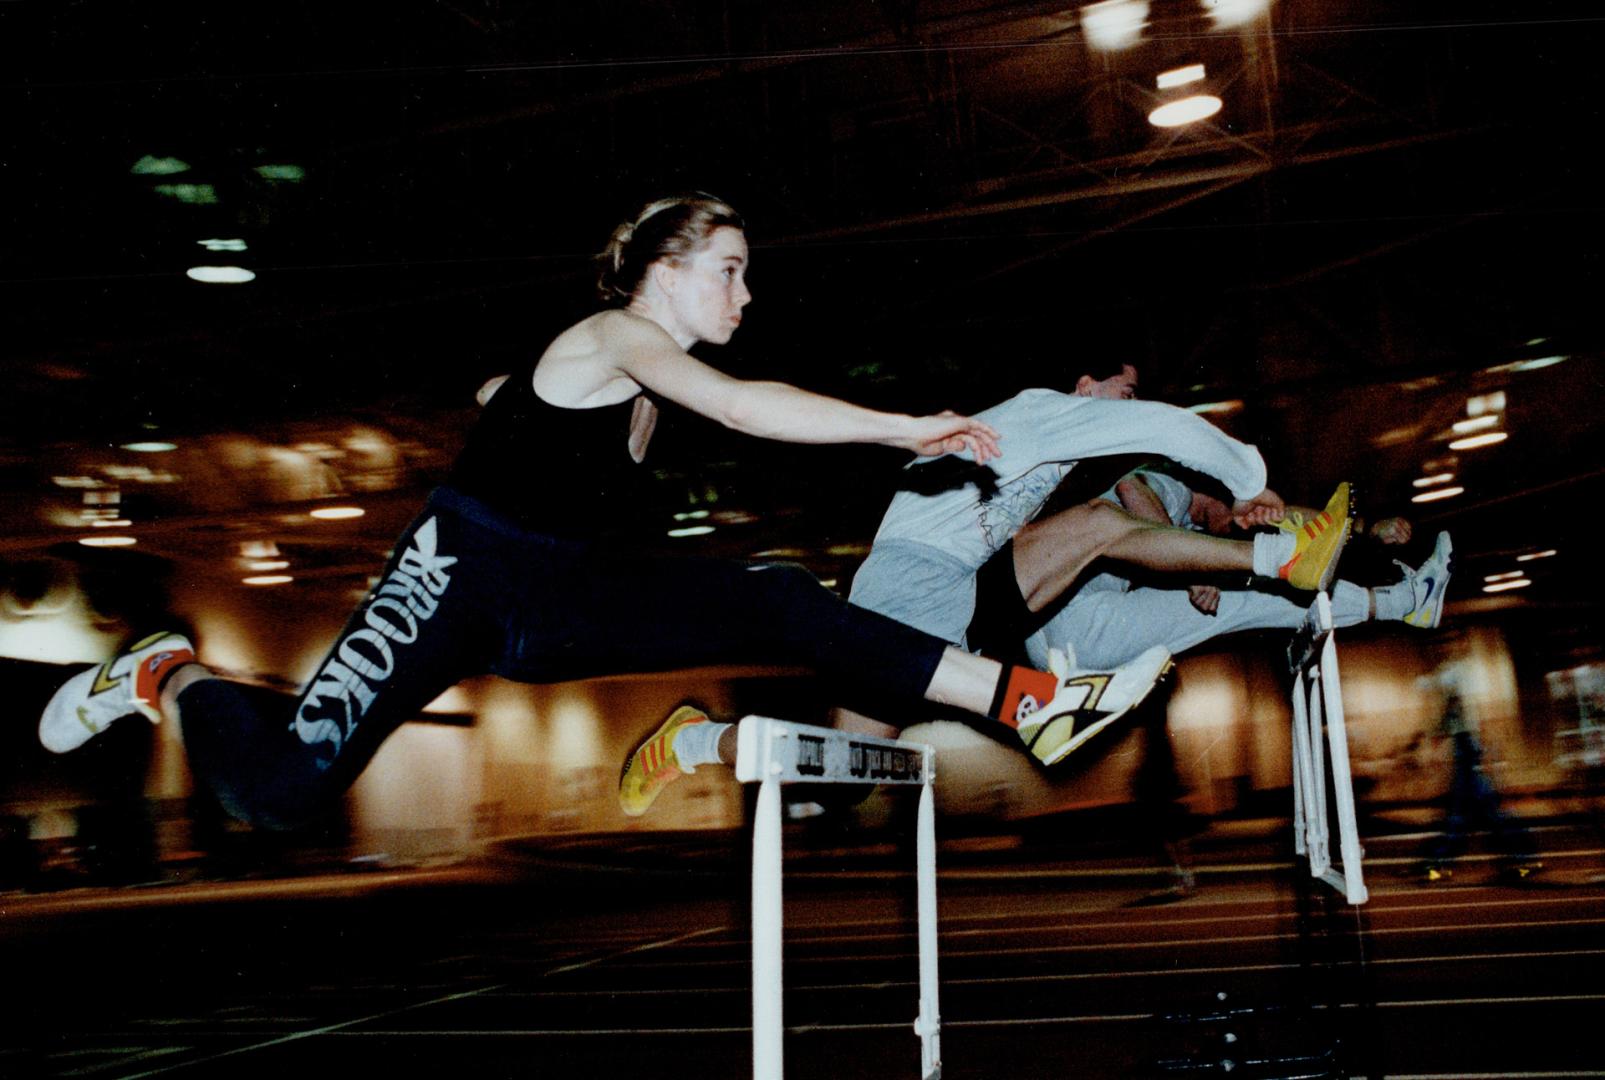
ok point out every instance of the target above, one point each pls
(948, 201)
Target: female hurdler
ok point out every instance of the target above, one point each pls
(520, 564)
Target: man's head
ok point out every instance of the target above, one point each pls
(1113, 384)
(1210, 514)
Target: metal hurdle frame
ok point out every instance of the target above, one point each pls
(773, 752)
(1318, 702)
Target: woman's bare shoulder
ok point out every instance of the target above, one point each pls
(602, 333)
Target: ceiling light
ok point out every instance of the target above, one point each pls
(1229, 13)
(1215, 407)
(268, 564)
(1169, 80)
(1549, 554)
(220, 275)
(1435, 478)
(1508, 575)
(692, 530)
(1439, 493)
(150, 447)
(107, 541)
(222, 245)
(292, 173)
(1537, 364)
(267, 579)
(110, 523)
(1505, 586)
(1114, 24)
(1476, 423)
(1471, 442)
(1187, 110)
(337, 513)
(691, 515)
(159, 166)
(192, 194)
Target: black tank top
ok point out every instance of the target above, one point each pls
(553, 470)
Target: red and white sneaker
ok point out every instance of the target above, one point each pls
(128, 683)
(1088, 702)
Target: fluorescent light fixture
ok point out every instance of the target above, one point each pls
(1537, 364)
(110, 523)
(1530, 556)
(159, 166)
(1215, 407)
(1506, 586)
(193, 194)
(268, 564)
(1487, 438)
(1229, 13)
(1435, 478)
(1114, 24)
(151, 447)
(220, 275)
(337, 513)
(291, 173)
(1187, 110)
(1169, 80)
(692, 530)
(1475, 423)
(1437, 493)
(107, 541)
(1508, 575)
(691, 515)
(222, 245)
(267, 579)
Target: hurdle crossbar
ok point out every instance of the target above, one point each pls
(1318, 704)
(773, 752)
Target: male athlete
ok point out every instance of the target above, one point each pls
(951, 518)
(1107, 619)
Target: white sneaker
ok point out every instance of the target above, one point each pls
(1428, 584)
(128, 683)
(1087, 702)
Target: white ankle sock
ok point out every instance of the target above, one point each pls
(698, 744)
(1272, 550)
(1395, 601)
(1351, 604)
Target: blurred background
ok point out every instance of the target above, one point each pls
(258, 258)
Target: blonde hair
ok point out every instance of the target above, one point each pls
(671, 228)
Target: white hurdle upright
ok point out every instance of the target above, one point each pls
(774, 752)
(1318, 703)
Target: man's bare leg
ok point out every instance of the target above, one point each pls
(1049, 555)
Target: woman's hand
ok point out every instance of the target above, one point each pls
(949, 433)
(1266, 508)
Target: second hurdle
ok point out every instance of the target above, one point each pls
(774, 752)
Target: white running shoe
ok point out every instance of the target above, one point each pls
(1428, 584)
(1087, 702)
(128, 683)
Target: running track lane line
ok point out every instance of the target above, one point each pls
(902, 1025)
(340, 1028)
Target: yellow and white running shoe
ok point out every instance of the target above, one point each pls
(1318, 542)
(652, 765)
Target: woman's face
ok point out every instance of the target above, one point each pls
(710, 287)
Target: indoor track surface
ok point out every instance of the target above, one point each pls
(597, 967)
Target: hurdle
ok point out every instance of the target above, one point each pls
(773, 752)
(1318, 703)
